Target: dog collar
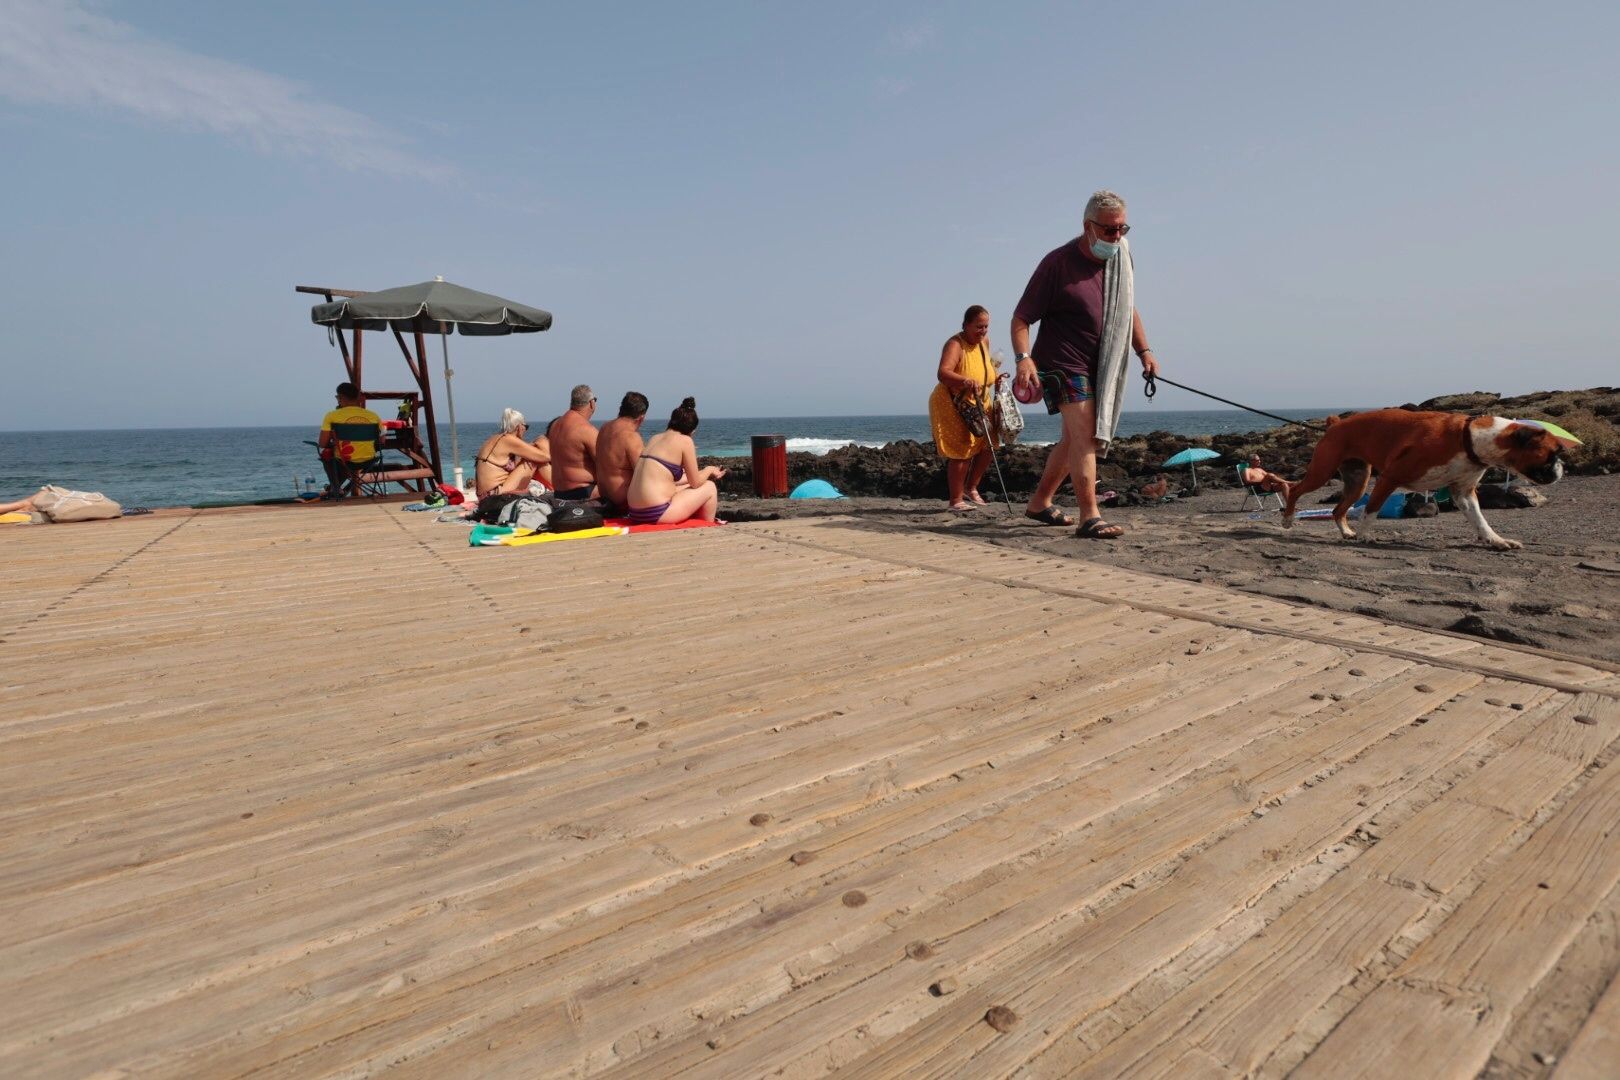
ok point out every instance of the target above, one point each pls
(1468, 441)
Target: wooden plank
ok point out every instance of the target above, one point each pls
(444, 885)
(1450, 1001)
(1595, 1053)
(530, 897)
(1250, 1002)
(975, 927)
(1075, 973)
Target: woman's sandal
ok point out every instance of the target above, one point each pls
(961, 508)
(976, 498)
(1050, 516)
(1098, 529)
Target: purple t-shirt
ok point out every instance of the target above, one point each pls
(1065, 295)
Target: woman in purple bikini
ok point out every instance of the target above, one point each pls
(667, 486)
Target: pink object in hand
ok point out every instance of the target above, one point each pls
(1027, 393)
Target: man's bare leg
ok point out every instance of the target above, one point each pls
(1052, 476)
(1080, 435)
(21, 504)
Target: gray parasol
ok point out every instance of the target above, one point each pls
(436, 306)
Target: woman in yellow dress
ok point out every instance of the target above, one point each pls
(964, 367)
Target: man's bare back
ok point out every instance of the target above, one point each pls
(573, 451)
(618, 447)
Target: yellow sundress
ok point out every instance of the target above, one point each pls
(951, 436)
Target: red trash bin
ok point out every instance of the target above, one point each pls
(770, 466)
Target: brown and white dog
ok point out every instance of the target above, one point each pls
(1424, 451)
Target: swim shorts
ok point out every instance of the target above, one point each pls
(1062, 387)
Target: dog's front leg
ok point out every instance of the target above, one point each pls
(1469, 501)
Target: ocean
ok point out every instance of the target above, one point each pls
(186, 466)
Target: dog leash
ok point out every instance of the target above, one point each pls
(1151, 388)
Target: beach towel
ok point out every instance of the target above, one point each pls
(636, 530)
(1325, 513)
(1114, 349)
(551, 538)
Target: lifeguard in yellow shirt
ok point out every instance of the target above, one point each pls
(335, 449)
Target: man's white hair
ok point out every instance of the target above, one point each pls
(511, 420)
(1103, 200)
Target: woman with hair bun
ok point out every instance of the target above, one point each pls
(668, 486)
(505, 463)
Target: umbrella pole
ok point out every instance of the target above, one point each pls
(450, 400)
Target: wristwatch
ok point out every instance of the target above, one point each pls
(1022, 356)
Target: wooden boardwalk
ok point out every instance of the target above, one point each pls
(771, 800)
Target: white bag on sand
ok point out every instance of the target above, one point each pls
(61, 504)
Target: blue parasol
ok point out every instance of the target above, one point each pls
(1190, 457)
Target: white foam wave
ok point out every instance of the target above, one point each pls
(821, 446)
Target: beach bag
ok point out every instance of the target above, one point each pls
(972, 413)
(572, 517)
(1009, 421)
(489, 507)
(60, 504)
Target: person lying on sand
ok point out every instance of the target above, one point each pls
(668, 486)
(505, 463)
(21, 506)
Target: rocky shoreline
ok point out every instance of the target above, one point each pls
(913, 470)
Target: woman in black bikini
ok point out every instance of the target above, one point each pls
(667, 485)
(506, 463)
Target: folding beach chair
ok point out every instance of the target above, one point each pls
(1250, 491)
(363, 478)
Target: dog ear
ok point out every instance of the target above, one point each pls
(1524, 435)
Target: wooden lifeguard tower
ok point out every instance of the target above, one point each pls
(413, 417)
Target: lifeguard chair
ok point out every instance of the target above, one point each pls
(421, 470)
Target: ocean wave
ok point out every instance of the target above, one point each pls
(821, 446)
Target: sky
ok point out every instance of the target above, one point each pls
(783, 209)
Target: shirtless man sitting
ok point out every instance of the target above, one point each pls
(573, 447)
(618, 447)
(1257, 477)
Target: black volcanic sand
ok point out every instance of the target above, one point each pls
(1561, 592)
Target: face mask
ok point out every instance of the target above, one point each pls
(1103, 250)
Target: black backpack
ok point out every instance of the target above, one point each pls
(572, 517)
(489, 507)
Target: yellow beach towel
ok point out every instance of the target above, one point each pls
(582, 534)
(16, 517)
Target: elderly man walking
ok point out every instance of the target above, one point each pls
(1082, 296)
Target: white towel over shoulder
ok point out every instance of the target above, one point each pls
(1114, 350)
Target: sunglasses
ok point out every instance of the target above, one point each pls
(1110, 230)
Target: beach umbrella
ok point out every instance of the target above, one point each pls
(434, 307)
(1190, 457)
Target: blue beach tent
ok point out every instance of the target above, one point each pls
(816, 489)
